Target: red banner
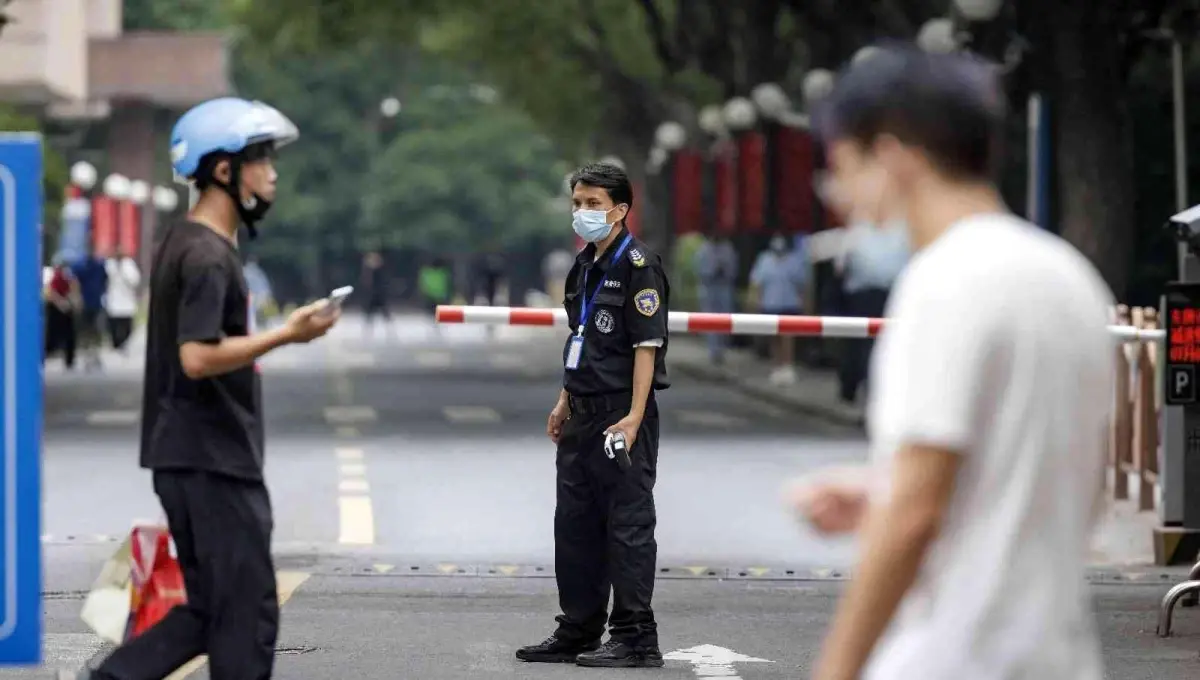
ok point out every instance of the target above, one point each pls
(104, 225)
(751, 160)
(687, 191)
(725, 190)
(795, 192)
(130, 233)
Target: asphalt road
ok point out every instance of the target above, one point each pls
(413, 491)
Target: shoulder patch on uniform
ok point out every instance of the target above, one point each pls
(637, 257)
(646, 301)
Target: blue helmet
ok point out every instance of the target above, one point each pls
(226, 124)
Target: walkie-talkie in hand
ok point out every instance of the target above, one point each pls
(615, 448)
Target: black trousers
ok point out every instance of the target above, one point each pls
(61, 333)
(604, 531)
(119, 329)
(856, 357)
(222, 530)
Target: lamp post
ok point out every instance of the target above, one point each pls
(669, 138)
(773, 105)
(740, 116)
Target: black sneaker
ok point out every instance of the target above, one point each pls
(553, 650)
(616, 654)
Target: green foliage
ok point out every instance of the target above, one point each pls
(55, 173)
(173, 15)
(456, 170)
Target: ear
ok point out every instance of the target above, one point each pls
(223, 172)
(624, 213)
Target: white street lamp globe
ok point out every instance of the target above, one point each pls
(613, 160)
(658, 158)
(712, 120)
(165, 199)
(864, 54)
(771, 100)
(117, 186)
(740, 114)
(818, 83)
(978, 10)
(83, 175)
(390, 107)
(937, 36)
(671, 136)
(139, 192)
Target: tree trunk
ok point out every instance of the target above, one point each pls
(1093, 156)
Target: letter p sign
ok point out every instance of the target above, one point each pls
(1181, 385)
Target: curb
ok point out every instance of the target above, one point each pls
(812, 408)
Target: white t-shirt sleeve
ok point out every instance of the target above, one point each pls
(951, 334)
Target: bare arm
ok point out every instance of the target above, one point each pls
(896, 538)
(208, 359)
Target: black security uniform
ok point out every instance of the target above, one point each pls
(203, 440)
(604, 520)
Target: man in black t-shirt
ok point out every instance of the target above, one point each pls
(202, 429)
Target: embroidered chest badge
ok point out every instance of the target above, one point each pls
(646, 301)
(605, 323)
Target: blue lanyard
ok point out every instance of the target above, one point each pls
(586, 303)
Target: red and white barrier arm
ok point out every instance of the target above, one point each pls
(726, 324)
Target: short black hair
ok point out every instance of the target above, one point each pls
(606, 176)
(950, 105)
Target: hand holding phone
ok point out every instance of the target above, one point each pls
(615, 448)
(336, 298)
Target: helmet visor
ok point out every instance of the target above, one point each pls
(264, 123)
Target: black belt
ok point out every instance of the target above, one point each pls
(605, 403)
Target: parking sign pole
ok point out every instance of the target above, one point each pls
(1177, 540)
(21, 396)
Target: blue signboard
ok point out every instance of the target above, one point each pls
(21, 396)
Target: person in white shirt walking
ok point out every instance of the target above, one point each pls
(993, 379)
(121, 297)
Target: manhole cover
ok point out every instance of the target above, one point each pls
(294, 650)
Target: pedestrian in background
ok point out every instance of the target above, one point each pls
(615, 361)
(989, 406)
(92, 276)
(716, 268)
(871, 259)
(202, 428)
(62, 311)
(121, 298)
(777, 286)
(375, 291)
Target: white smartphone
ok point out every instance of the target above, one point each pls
(337, 297)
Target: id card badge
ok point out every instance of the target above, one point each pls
(574, 352)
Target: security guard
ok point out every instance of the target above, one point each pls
(617, 300)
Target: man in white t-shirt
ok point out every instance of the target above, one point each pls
(992, 386)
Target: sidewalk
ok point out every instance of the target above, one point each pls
(814, 392)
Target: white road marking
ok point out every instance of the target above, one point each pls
(352, 470)
(348, 415)
(356, 516)
(471, 414)
(357, 521)
(349, 454)
(347, 432)
(112, 417)
(710, 419)
(711, 661)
